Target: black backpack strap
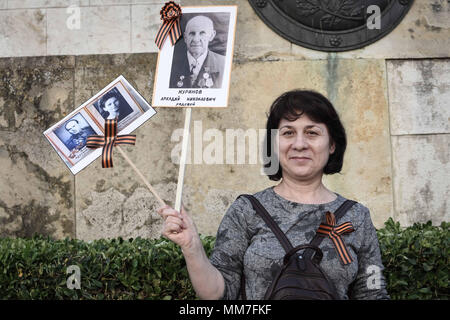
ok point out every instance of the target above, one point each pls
(243, 294)
(343, 209)
(317, 240)
(262, 212)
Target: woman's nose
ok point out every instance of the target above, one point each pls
(300, 142)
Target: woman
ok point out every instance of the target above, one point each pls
(112, 105)
(312, 142)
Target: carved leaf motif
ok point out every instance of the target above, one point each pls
(334, 11)
(333, 5)
(348, 7)
(357, 11)
(308, 7)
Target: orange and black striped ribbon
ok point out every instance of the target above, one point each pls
(334, 232)
(108, 141)
(170, 14)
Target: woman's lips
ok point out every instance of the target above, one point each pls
(300, 160)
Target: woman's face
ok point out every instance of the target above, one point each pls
(112, 106)
(304, 148)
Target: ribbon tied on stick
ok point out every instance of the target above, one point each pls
(108, 141)
(334, 232)
(170, 14)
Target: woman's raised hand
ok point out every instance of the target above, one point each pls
(179, 227)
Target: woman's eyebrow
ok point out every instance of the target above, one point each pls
(313, 126)
(306, 127)
(286, 126)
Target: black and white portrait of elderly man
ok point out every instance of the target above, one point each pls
(194, 64)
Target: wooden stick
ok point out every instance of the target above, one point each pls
(184, 147)
(149, 186)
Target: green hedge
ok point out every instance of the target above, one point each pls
(416, 261)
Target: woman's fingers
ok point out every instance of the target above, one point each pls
(174, 221)
(172, 228)
(167, 211)
(159, 210)
(178, 226)
(186, 217)
(172, 225)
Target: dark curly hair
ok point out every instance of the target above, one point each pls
(106, 97)
(290, 106)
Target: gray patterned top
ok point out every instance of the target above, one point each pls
(244, 238)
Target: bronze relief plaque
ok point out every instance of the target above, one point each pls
(332, 25)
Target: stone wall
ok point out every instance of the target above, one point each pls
(392, 97)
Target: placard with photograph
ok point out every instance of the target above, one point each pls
(195, 72)
(117, 100)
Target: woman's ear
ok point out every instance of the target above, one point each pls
(332, 147)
